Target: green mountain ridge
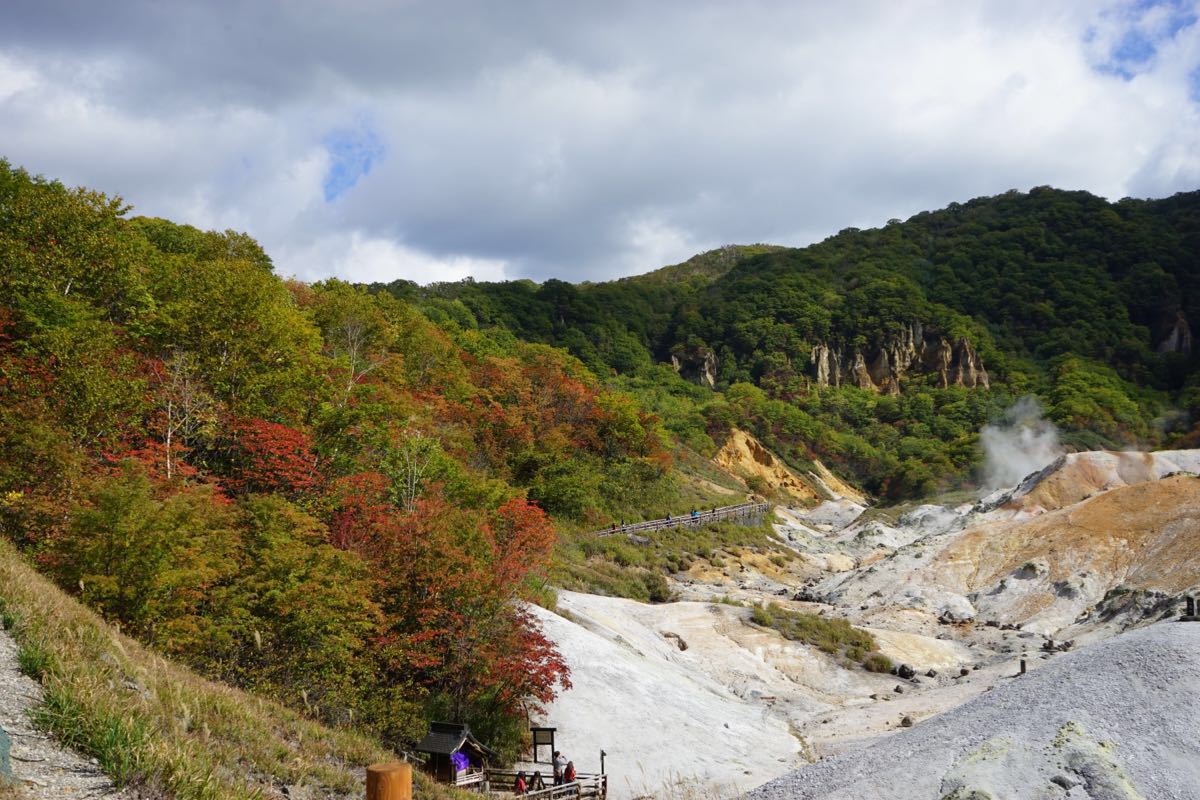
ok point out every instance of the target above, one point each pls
(1085, 303)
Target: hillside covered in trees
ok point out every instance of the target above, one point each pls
(305, 490)
(884, 351)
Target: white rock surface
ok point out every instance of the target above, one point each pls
(660, 715)
(1115, 721)
(1093, 545)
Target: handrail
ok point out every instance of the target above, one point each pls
(585, 785)
(701, 518)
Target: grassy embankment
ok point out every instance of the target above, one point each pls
(620, 567)
(157, 726)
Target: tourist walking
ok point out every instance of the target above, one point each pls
(560, 764)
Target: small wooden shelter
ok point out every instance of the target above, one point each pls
(443, 742)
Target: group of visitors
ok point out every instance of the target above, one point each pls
(564, 772)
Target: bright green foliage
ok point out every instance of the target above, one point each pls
(143, 560)
(252, 343)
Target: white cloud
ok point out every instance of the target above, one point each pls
(360, 257)
(579, 142)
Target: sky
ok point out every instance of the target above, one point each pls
(585, 141)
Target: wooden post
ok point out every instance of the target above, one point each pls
(389, 781)
(1022, 666)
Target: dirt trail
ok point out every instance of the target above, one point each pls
(41, 768)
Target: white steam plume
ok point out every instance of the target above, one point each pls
(1019, 444)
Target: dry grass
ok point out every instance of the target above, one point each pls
(158, 726)
(10, 792)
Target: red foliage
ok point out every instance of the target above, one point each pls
(268, 457)
(151, 456)
(449, 582)
(522, 540)
(362, 513)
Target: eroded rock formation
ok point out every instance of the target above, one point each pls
(882, 367)
(1179, 339)
(745, 456)
(699, 366)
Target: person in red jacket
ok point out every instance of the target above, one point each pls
(569, 772)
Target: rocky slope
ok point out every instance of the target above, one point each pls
(1114, 721)
(1093, 530)
(958, 593)
(745, 457)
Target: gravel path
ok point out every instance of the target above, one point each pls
(42, 768)
(1113, 721)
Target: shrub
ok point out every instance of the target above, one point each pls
(657, 588)
(877, 662)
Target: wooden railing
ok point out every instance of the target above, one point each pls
(471, 779)
(586, 786)
(746, 513)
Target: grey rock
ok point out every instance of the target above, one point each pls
(1065, 781)
(5, 761)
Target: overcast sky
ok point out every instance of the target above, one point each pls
(431, 141)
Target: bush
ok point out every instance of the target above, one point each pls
(657, 588)
(877, 662)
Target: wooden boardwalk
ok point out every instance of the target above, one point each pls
(745, 514)
(586, 786)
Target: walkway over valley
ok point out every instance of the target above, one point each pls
(744, 514)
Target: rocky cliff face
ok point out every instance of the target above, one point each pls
(700, 366)
(1179, 338)
(913, 352)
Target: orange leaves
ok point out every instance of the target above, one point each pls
(447, 578)
(536, 402)
(522, 540)
(272, 458)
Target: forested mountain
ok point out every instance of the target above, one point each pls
(885, 350)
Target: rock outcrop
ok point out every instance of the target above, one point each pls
(699, 366)
(1179, 339)
(744, 456)
(914, 351)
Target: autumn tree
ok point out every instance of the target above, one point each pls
(186, 408)
(271, 457)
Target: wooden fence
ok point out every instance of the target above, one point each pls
(745, 513)
(586, 786)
